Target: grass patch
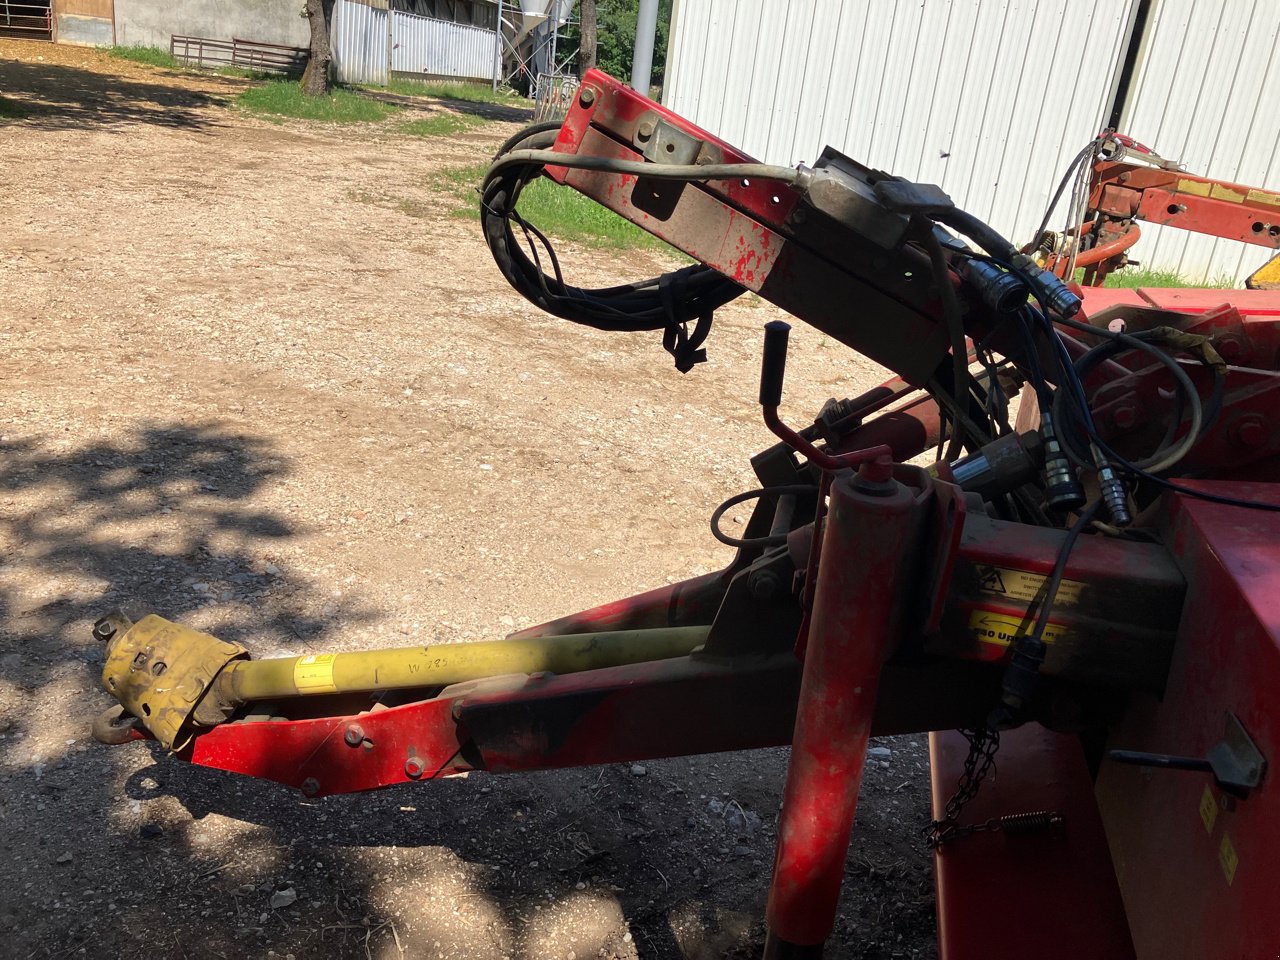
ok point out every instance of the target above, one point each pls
(1142, 277)
(284, 98)
(560, 212)
(564, 213)
(12, 110)
(442, 125)
(153, 56)
(463, 181)
(447, 90)
(244, 73)
(460, 183)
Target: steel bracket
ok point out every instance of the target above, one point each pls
(1238, 765)
(663, 142)
(1235, 761)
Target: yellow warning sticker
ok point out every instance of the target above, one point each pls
(1001, 629)
(1208, 809)
(1197, 188)
(1228, 858)
(314, 674)
(1263, 196)
(1224, 191)
(1027, 587)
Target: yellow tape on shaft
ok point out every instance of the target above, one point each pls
(314, 674)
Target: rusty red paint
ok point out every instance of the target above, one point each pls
(1169, 854)
(313, 754)
(851, 630)
(1233, 211)
(743, 228)
(662, 709)
(638, 712)
(1069, 868)
(688, 603)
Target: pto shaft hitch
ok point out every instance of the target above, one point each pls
(177, 681)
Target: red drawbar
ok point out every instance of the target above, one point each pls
(1049, 895)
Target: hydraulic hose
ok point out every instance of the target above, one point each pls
(668, 302)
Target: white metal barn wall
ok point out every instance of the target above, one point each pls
(981, 96)
(361, 47)
(359, 43)
(440, 48)
(1207, 93)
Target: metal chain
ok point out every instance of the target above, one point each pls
(983, 745)
(978, 763)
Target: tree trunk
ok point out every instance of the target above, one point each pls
(587, 32)
(315, 80)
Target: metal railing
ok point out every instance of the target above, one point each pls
(30, 21)
(247, 54)
(553, 96)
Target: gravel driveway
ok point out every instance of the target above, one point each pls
(262, 378)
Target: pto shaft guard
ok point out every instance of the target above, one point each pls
(162, 672)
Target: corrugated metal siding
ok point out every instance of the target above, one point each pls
(359, 43)
(980, 96)
(441, 48)
(1207, 93)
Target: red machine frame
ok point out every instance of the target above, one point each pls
(908, 593)
(1131, 184)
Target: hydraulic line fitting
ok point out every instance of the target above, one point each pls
(1000, 466)
(1112, 488)
(1002, 291)
(1054, 293)
(1062, 488)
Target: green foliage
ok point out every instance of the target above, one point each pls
(152, 56)
(463, 182)
(243, 73)
(155, 57)
(442, 125)
(616, 38)
(1130, 279)
(457, 90)
(565, 214)
(12, 110)
(560, 212)
(284, 98)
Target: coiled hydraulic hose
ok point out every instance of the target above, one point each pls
(668, 302)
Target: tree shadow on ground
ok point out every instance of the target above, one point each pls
(166, 520)
(123, 852)
(60, 97)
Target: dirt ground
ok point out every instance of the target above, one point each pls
(259, 378)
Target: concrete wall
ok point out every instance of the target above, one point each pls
(82, 31)
(83, 23)
(150, 23)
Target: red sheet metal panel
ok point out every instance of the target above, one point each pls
(1050, 895)
(1198, 870)
(1189, 299)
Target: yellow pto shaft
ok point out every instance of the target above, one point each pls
(178, 681)
(245, 681)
